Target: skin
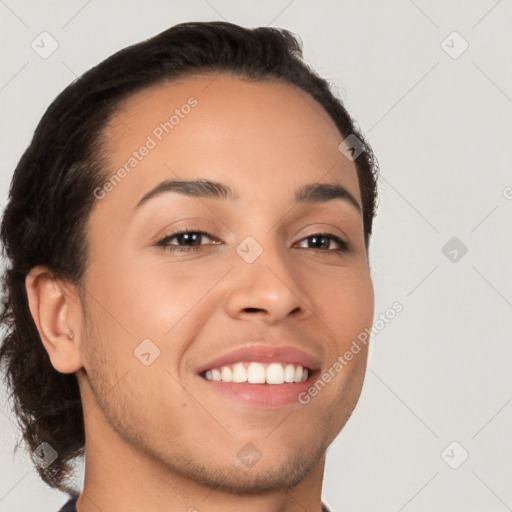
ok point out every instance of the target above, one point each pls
(157, 437)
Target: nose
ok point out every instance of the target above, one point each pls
(267, 288)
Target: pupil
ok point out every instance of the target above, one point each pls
(315, 239)
(189, 237)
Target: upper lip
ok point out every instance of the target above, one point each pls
(264, 354)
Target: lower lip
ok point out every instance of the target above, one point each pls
(264, 395)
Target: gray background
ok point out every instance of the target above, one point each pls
(442, 130)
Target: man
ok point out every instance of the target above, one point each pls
(188, 244)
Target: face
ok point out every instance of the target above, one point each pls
(264, 283)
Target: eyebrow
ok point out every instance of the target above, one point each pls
(200, 188)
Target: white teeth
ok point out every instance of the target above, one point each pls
(226, 374)
(289, 373)
(258, 373)
(239, 373)
(275, 374)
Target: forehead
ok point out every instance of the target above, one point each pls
(262, 138)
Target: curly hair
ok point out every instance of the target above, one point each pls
(51, 198)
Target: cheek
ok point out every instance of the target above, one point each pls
(167, 293)
(149, 300)
(346, 300)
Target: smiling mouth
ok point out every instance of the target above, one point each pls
(258, 373)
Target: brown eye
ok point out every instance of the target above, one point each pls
(187, 240)
(322, 241)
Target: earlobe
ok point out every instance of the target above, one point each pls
(55, 309)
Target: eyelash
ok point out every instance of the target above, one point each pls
(177, 248)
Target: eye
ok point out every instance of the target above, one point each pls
(186, 240)
(321, 241)
(191, 240)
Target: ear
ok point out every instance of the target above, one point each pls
(56, 309)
